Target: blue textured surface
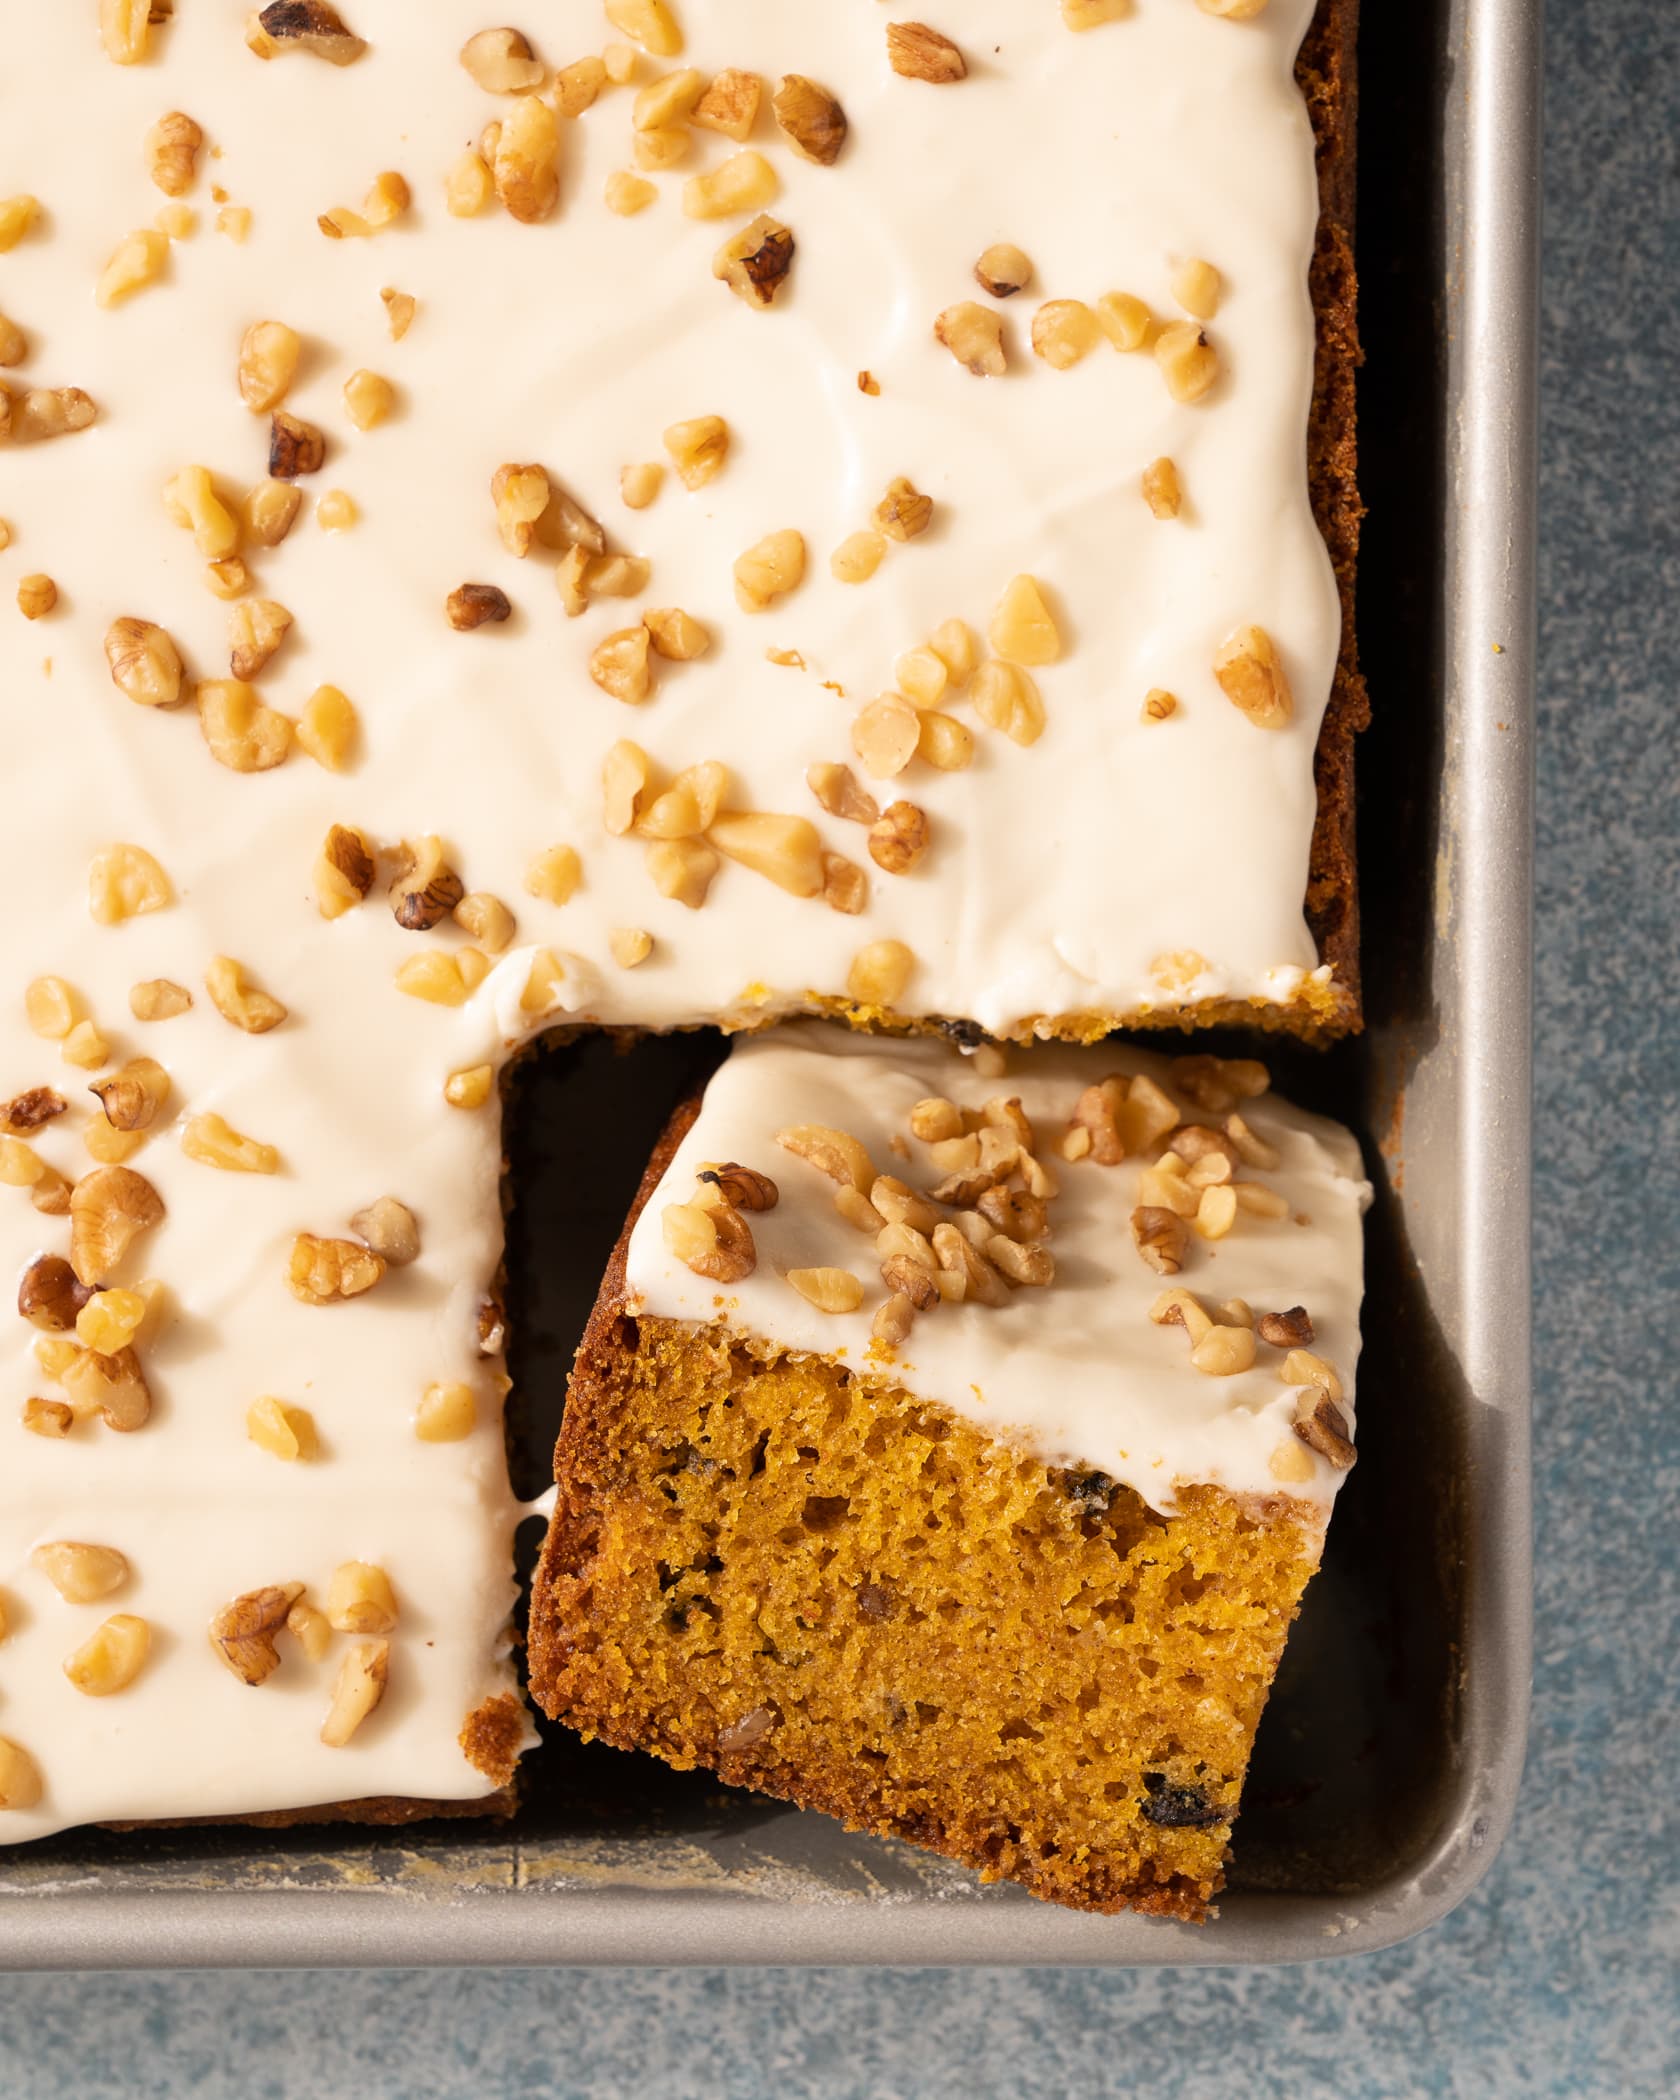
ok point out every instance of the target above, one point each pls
(1561, 1975)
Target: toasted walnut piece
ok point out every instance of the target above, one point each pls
(880, 973)
(17, 215)
(744, 1188)
(357, 1690)
(238, 1001)
(242, 1633)
(327, 728)
(1218, 1083)
(472, 605)
(111, 1320)
(468, 186)
(554, 874)
(21, 1166)
(14, 348)
(1064, 331)
(1098, 1112)
(256, 630)
(524, 166)
(144, 662)
(80, 1573)
(1197, 286)
(858, 1211)
(51, 1295)
(285, 1433)
(1286, 1330)
(368, 398)
(630, 946)
(714, 1242)
(576, 86)
(920, 53)
(626, 778)
(42, 412)
(1161, 490)
(756, 263)
(471, 1087)
(676, 635)
(1125, 320)
(897, 1202)
(1188, 361)
(269, 354)
(425, 889)
(1091, 14)
(619, 666)
(957, 648)
(1302, 1367)
(344, 871)
(1158, 705)
(400, 309)
(125, 28)
(488, 920)
(1251, 675)
(271, 510)
(1224, 1352)
(1034, 1267)
(974, 336)
(980, 1280)
(48, 1418)
(109, 1209)
(191, 500)
(768, 570)
(640, 485)
(312, 26)
(294, 447)
(322, 1271)
(110, 1659)
(627, 194)
(845, 885)
(51, 1008)
(899, 838)
(437, 979)
(662, 149)
(690, 805)
(618, 575)
(1161, 1238)
(172, 149)
(682, 869)
(36, 596)
(133, 1094)
(177, 222)
(502, 62)
(125, 882)
(836, 788)
(85, 1047)
(885, 735)
(835, 1153)
(1006, 699)
(1023, 629)
(446, 1414)
(360, 1599)
(668, 100)
(1323, 1428)
(214, 1142)
(894, 1319)
(30, 1110)
(698, 449)
(945, 743)
(1004, 270)
(136, 261)
(392, 1231)
(649, 23)
(243, 732)
(811, 117)
(785, 850)
(730, 105)
(744, 182)
(904, 513)
(857, 557)
(108, 1146)
(829, 1290)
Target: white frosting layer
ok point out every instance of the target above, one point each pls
(1059, 873)
(1076, 1370)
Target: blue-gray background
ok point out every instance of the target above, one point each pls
(1561, 1975)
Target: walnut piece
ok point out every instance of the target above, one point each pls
(1251, 675)
(304, 25)
(323, 1272)
(109, 1210)
(812, 118)
(472, 605)
(714, 1241)
(294, 447)
(172, 149)
(920, 53)
(1004, 270)
(242, 1633)
(144, 662)
(756, 263)
(974, 336)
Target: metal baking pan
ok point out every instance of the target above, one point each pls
(1389, 1758)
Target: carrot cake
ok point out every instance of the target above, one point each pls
(951, 1454)
(704, 512)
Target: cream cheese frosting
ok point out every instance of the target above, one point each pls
(1059, 877)
(1077, 1371)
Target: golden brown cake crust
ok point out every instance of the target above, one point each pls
(1049, 1682)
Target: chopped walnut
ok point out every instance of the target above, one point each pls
(845, 885)
(51, 1295)
(1064, 331)
(136, 261)
(48, 1418)
(682, 869)
(42, 412)
(243, 732)
(256, 630)
(576, 86)
(1004, 270)
(920, 53)
(294, 447)
(269, 354)
(17, 216)
(743, 1187)
(213, 1142)
(133, 1095)
(690, 805)
(626, 777)
(730, 105)
(812, 118)
(124, 882)
(857, 557)
(698, 449)
(368, 398)
(358, 1689)
(1323, 1427)
(769, 570)
(524, 165)
(400, 309)
(676, 635)
(829, 1290)
(471, 1087)
(502, 62)
(744, 182)
(944, 743)
(468, 186)
(756, 263)
(1158, 705)
(240, 1002)
(36, 596)
(488, 920)
(619, 665)
(172, 149)
(1006, 699)
(663, 148)
(191, 500)
(320, 1272)
(14, 344)
(904, 513)
(1091, 14)
(304, 25)
(1197, 286)
(835, 1153)
(630, 946)
(837, 789)
(639, 485)
(785, 850)
(384, 204)
(1224, 1352)
(714, 1242)
(473, 605)
(880, 973)
(1161, 490)
(425, 889)
(899, 838)
(144, 662)
(554, 875)
(1188, 361)
(1161, 1238)
(1023, 629)
(29, 1111)
(885, 735)
(285, 1433)
(894, 1318)
(1251, 674)
(1286, 1330)
(974, 336)
(242, 1633)
(81, 1573)
(109, 1209)
(978, 1278)
(649, 23)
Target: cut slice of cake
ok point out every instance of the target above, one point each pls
(951, 1453)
